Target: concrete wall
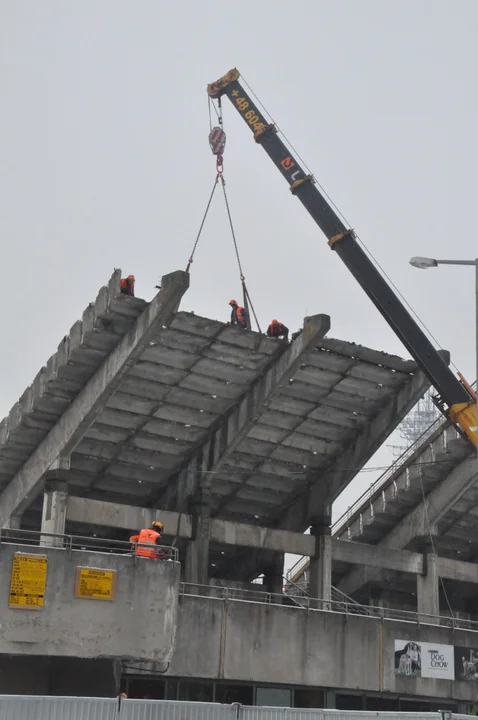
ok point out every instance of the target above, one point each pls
(139, 623)
(237, 640)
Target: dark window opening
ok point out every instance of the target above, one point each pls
(348, 702)
(146, 689)
(382, 704)
(195, 691)
(229, 694)
(309, 698)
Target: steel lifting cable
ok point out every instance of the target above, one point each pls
(217, 142)
(247, 299)
(191, 257)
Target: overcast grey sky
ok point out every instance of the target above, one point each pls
(104, 161)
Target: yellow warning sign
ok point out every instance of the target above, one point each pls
(28, 581)
(95, 584)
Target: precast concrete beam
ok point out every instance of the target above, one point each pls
(373, 556)
(228, 533)
(128, 517)
(221, 445)
(69, 429)
(329, 485)
(418, 521)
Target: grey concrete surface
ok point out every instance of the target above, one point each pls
(274, 644)
(228, 533)
(140, 623)
(418, 521)
(428, 599)
(91, 400)
(144, 403)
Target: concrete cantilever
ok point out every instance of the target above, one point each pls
(417, 522)
(64, 435)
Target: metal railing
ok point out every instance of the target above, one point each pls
(440, 424)
(71, 543)
(342, 606)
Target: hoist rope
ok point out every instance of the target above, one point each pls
(246, 291)
(191, 257)
(345, 221)
(219, 161)
(232, 228)
(247, 299)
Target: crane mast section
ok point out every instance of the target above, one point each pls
(343, 241)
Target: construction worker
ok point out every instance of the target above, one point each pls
(238, 315)
(127, 285)
(278, 330)
(147, 540)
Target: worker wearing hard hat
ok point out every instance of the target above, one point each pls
(147, 541)
(238, 315)
(127, 285)
(278, 330)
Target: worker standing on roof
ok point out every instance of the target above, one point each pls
(147, 541)
(127, 285)
(278, 330)
(238, 315)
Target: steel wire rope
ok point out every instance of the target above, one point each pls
(342, 216)
(236, 249)
(191, 257)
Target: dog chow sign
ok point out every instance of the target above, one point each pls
(426, 660)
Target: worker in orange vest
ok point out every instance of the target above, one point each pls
(238, 315)
(278, 330)
(127, 285)
(147, 541)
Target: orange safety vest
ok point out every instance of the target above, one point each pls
(240, 315)
(147, 543)
(276, 328)
(127, 285)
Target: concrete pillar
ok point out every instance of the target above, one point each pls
(55, 498)
(320, 585)
(428, 589)
(197, 551)
(274, 575)
(14, 523)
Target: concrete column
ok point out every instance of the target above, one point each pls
(197, 551)
(14, 523)
(320, 585)
(55, 498)
(428, 602)
(274, 575)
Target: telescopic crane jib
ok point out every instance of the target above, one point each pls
(456, 398)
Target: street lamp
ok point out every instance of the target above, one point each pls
(423, 263)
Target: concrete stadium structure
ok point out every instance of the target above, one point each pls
(426, 506)
(238, 444)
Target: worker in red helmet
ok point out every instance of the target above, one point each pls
(238, 315)
(278, 330)
(147, 541)
(127, 285)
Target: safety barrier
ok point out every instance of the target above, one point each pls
(19, 707)
(301, 601)
(70, 543)
(32, 707)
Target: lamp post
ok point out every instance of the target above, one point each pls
(423, 263)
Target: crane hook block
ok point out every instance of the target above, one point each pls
(217, 140)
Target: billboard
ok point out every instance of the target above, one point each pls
(466, 663)
(426, 660)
